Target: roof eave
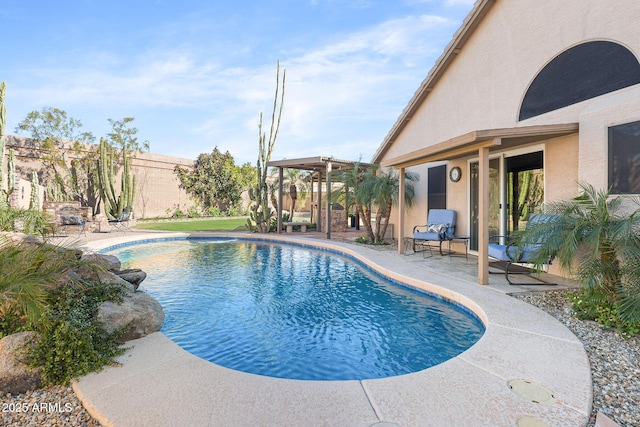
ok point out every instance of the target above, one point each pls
(470, 23)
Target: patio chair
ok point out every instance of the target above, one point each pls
(73, 219)
(510, 254)
(121, 223)
(440, 227)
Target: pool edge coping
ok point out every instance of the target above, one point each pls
(480, 358)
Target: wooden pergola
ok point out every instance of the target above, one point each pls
(321, 167)
(479, 143)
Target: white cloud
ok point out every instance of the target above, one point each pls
(341, 97)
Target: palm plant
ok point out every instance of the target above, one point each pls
(352, 181)
(298, 187)
(375, 189)
(596, 237)
(28, 271)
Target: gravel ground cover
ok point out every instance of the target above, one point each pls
(615, 362)
(49, 407)
(615, 367)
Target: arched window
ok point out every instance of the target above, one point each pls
(582, 72)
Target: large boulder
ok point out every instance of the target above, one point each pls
(140, 313)
(18, 238)
(96, 275)
(135, 276)
(15, 375)
(108, 262)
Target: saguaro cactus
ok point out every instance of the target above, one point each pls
(114, 205)
(4, 192)
(260, 212)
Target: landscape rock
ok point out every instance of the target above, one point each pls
(108, 262)
(106, 277)
(140, 311)
(135, 276)
(17, 237)
(15, 375)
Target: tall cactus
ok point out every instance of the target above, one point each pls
(114, 205)
(4, 192)
(34, 200)
(260, 212)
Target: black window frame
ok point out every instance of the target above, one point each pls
(623, 155)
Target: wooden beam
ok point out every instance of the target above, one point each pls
(483, 216)
(401, 203)
(319, 226)
(471, 142)
(444, 151)
(281, 179)
(329, 200)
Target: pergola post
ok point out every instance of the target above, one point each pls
(319, 219)
(401, 203)
(311, 210)
(328, 200)
(483, 215)
(280, 179)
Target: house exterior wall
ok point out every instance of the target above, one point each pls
(484, 86)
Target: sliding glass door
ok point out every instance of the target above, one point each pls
(516, 189)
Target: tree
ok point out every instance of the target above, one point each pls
(596, 237)
(214, 181)
(296, 187)
(59, 137)
(261, 213)
(374, 189)
(123, 136)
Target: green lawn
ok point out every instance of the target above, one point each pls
(187, 226)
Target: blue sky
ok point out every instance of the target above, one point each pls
(196, 74)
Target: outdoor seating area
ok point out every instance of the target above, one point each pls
(67, 218)
(440, 228)
(510, 254)
(122, 222)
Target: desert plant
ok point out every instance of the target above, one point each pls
(114, 203)
(28, 271)
(260, 212)
(597, 238)
(34, 200)
(5, 193)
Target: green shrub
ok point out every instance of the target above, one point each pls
(234, 211)
(589, 304)
(73, 343)
(213, 211)
(193, 212)
(29, 221)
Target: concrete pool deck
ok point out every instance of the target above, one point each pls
(159, 384)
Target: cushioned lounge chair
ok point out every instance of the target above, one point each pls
(121, 223)
(511, 254)
(440, 227)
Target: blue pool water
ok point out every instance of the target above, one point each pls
(294, 312)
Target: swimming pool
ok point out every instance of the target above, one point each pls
(294, 312)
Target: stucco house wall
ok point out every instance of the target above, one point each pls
(485, 83)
